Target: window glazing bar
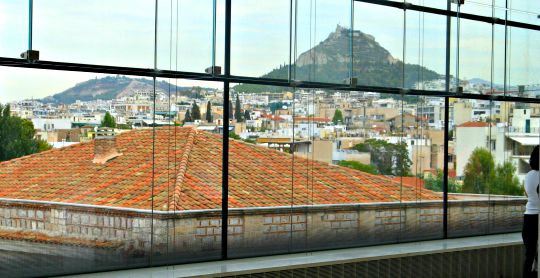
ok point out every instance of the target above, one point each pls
(30, 22)
(448, 12)
(62, 66)
(225, 158)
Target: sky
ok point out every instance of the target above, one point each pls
(121, 33)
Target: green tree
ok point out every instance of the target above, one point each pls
(237, 111)
(187, 117)
(338, 117)
(209, 112)
(124, 126)
(234, 135)
(195, 111)
(479, 172)
(359, 166)
(108, 121)
(435, 183)
(237, 137)
(505, 181)
(247, 116)
(390, 159)
(482, 176)
(17, 136)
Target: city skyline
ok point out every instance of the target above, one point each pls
(126, 39)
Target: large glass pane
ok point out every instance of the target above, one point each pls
(477, 57)
(378, 45)
(524, 11)
(425, 55)
(186, 35)
(261, 217)
(489, 151)
(471, 139)
(321, 45)
(99, 32)
(422, 129)
(83, 200)
(187, 163)
(515, 135)
(13, 28)
(522, 78)
(260, 39)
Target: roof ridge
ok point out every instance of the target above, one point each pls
(182, 169)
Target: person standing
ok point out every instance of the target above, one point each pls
(530, 219)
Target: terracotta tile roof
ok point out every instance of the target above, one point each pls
(187, 175)
(312, 119)
(273, 117)
(474, 124)
(410, 181)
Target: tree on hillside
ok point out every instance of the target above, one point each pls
(390, 159)
(17, 136)
(359, 166)
(187, 117)
(237, 111)
(209, 112)
(479, 172)
(195, 111)
(247, 116)
(338, 117)
(108, 121)
(482, 176)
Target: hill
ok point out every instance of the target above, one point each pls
(111, 87)
(329, 61)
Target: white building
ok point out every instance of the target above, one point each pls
(469, 136)
(50, 124)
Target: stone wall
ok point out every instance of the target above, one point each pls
(263, 229)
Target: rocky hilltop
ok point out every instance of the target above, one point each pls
(330, 61)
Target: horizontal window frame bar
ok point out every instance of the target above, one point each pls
(148, 72)
(430, 10)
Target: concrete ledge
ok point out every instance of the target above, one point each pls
(312, 259)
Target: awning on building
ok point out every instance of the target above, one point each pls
(526, 140)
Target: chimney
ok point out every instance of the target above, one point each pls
(105, 146)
